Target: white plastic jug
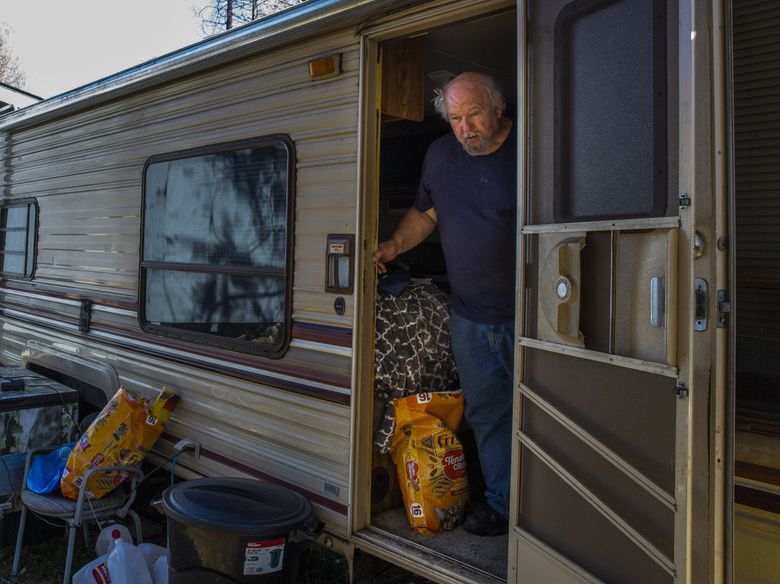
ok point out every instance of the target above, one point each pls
(151, 554)
(95, 572)
(160, 570)
(107, 536)
(126, 564)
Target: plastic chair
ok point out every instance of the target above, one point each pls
(80, 512)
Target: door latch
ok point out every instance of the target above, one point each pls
(724, 308)
(701, 292)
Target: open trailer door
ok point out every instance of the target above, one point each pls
(617, 295)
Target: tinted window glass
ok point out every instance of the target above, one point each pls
(241, 307)
(215, 247)
(610, 110)
(18, 224)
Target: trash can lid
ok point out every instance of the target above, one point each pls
(240, 506)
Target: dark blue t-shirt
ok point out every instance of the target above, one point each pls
(475, 202)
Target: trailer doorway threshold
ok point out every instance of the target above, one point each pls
(448, 556)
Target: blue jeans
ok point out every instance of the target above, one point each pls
(484, 354)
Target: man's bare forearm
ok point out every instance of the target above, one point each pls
(412, 230)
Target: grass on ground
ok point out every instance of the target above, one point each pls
(43, 563)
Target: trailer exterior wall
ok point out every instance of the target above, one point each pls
(285, 419)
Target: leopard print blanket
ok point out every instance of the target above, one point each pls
(412, 352)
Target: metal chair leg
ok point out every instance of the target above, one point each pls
(19, 541)
(69, 557)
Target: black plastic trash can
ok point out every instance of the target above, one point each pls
(235, 530)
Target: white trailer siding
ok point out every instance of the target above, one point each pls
(287, 419)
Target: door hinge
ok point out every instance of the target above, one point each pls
(724, 308)
(681, 390)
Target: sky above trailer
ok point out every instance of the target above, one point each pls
(64, 45)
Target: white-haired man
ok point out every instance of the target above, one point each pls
(468, 190)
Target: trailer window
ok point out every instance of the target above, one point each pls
(216, 245)
(18, 225)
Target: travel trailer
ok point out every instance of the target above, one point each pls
(206, 221)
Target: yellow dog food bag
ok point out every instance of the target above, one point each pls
(429, 460)
(121, 435)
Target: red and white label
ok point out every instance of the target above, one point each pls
(100, 574)
(411, 470)
(454, 464)
(263, 556)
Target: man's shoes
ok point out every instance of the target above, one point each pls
(482, 519)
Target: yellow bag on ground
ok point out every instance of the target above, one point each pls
(430, 461)
(121, 435)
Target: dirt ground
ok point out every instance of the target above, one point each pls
(43, 560)
(43, 564)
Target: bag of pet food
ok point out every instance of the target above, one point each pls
(429, 460)
(121, 435)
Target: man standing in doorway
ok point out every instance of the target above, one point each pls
(468, 190)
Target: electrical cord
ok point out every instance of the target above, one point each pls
(68, 410)
(171, 459)
(94, 515)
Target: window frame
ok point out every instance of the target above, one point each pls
(30, 246)
(276, 351)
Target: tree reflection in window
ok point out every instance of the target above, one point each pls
(215, 246)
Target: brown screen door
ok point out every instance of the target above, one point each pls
(610, 301)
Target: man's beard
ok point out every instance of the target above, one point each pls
(475, 148)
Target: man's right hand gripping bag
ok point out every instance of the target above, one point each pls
(429, 460)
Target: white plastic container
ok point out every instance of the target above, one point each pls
(95, 572)
(126, 564)
(108, 535)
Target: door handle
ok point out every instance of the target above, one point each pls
(559, 288)
(657, 305)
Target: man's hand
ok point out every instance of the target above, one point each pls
(385, 253)
(413, 228)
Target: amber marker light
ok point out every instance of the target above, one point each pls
(325, 67)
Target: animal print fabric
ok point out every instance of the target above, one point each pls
(412, 352)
